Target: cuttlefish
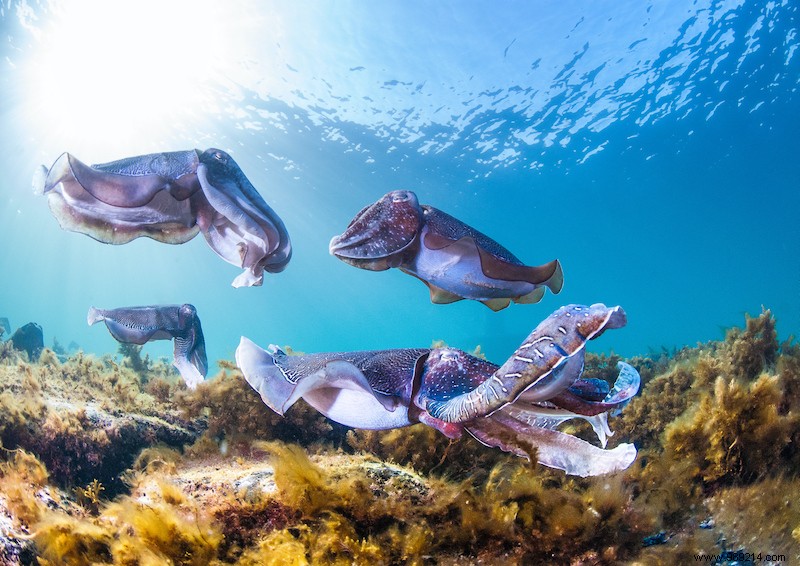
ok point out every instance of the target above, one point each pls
(180, 323)
(516, 407)
(170, 197)
(453, 259)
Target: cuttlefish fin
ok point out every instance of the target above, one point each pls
(497, 304)
(550, 274)
(533, 297)
(440, 296)
(116, 188)
(318, 385)
(261, 372)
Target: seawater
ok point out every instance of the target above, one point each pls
(650, 146)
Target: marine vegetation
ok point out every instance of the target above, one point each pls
(714, 425)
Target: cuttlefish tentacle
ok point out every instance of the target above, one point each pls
(139, 325)
(553, 448)
(453, 259)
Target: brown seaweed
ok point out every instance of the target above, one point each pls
(716, 426)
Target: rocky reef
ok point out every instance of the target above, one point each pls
(110, 460)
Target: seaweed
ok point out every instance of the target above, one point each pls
(221, 479)
(766, 514)
(735, 434)
(86, 419)
(661, 401)
(235, 412)
(391, 515)
(753, 349)
(426, 450)
(132, 354)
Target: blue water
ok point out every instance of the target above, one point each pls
(651, 147)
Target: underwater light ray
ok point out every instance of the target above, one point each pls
(108, 76)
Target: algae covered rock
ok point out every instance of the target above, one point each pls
(86, 419)
(82, 443)
(29, 339)
(137, 470)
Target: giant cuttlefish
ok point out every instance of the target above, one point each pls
(453, 259)
(138, 325)
(170, 197)
(515, 407)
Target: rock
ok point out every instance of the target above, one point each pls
(16, 545)
(30, 339)
(94, 444)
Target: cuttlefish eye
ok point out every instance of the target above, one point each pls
(401, 196)
(449, 355)
(446, 355)
(186, 313)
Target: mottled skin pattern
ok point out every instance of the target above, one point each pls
(453, 259)
(139, 325)
(534, 366)
(381, 234)
(170, 197)
(514, 406)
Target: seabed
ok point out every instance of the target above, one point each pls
(111, 460)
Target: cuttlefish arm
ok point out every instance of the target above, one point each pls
(555, 410)
(540, 368)
(381, 234)
(116, 202)
(553, 448)
(583, 400)
(517, 407)
(237, 223)
(523, 425)
(139, 325)
(370, 390)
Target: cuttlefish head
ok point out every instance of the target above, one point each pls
(378, 237)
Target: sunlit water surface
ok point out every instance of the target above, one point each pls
(651, 146)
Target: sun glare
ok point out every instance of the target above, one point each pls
(118, 74)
